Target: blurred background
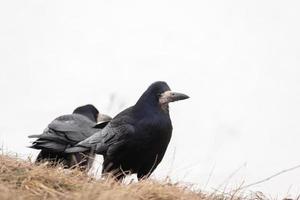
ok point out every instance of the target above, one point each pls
(239, 61)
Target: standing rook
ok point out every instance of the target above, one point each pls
(136, 139)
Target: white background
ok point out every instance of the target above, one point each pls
(238, 61)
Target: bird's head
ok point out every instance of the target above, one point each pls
(89, 111)
(159, 93)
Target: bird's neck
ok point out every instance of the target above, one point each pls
(151, 110)
(165, 107)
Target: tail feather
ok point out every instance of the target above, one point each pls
(34, 136)
(49, 145)
(76, 149)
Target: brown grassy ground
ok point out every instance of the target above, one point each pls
(20, 180)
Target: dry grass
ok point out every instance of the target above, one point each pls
(20, 180)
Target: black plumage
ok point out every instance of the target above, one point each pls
(66, 131)
(136, 139)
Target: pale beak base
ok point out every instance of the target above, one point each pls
(170, 96)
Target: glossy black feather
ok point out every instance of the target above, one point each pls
(136, 139)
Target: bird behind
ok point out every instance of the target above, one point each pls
(67, 130)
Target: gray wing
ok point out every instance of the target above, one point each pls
(75, 127)
(64, 131)
(113, 133)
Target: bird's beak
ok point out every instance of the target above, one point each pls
(103, 118)
(170, 96)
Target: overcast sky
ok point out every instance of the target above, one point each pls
(239, 61)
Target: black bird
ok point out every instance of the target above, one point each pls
(65, 131)
(136, 139)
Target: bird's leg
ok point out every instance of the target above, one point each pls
(73, 160)
(109, 171)
(90, 158)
